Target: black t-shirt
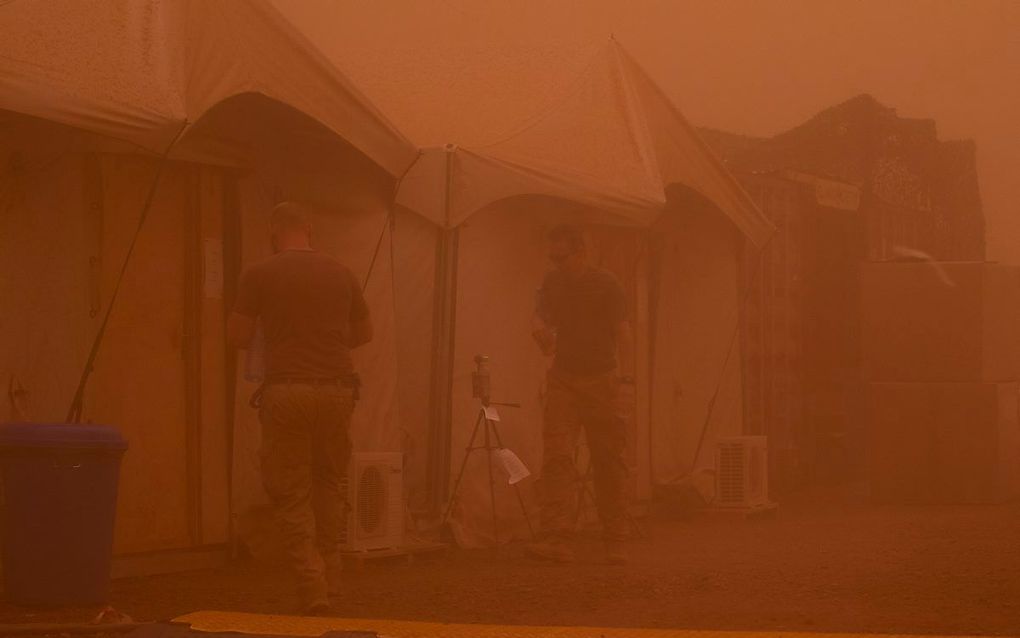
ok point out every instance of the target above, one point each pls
(585, 311)
(306, 301)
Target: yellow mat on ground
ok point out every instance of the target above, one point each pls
(219, 621)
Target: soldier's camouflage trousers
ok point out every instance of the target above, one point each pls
(590, 403)
(305, 451)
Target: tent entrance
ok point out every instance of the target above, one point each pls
(168, 326)
(501, 261)
(70, 204)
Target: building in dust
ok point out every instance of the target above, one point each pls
(854, 183)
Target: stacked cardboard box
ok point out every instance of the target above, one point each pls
(941, 357)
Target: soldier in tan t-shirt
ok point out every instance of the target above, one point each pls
(313, 314)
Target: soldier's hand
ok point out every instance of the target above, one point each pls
(546, 340)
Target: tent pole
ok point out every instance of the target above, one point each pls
(654, 248)
(233, 243)
(443, 326)
(192, 352)
(74, 412)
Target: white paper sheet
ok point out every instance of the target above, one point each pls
(515, 468)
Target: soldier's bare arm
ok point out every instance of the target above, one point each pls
(361, 332)
(543, 336)
(240, 330)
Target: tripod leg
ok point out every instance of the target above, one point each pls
(492, 483)
(463, 466)
(524, 510)
(638, 527)
(583, 492)
(517, 488)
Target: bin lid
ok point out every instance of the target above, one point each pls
(61, 435)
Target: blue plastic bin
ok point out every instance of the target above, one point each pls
(59, 505)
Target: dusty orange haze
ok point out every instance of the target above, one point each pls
(470, 71)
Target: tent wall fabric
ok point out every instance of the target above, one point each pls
(695, 313)
(44, 214)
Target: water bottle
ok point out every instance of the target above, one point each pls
(480, 384)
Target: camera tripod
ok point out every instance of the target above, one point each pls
(490, 434)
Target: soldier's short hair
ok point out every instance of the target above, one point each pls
(570, 234)
(289, 216)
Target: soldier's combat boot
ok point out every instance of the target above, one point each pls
(616, 553)
(551, 549)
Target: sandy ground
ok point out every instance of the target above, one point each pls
(822, 564)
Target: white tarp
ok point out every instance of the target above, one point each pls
(140, 70)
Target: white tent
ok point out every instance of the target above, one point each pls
(92, 93)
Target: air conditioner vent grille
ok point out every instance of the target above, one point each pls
(371, 500)
(375, 502)
(731, 474)
(742, 471)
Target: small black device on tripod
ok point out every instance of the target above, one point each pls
(480, 389)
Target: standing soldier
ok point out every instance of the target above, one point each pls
(581, 320)
(313, 314)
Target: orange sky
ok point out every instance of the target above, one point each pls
(469, 71)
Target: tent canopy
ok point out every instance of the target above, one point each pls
(144, 72)
(232, 82)
(614, 143)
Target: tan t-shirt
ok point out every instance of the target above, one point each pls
(306, 301)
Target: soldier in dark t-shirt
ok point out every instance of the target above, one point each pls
(586, 311)
(581, 320)
(313, 314)
(308, 304)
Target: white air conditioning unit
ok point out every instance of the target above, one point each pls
(375, 502)
(742, 477)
